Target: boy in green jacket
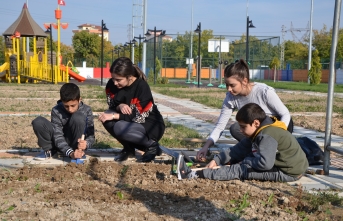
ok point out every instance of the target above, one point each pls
(269, 152)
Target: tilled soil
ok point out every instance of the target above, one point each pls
(17, 133)
(111, 191)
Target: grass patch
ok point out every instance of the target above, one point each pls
(106, 145)
(170, 85)
(239, 206)
(123, 171)
(322, 198)
(300, 102)
(37, 188)
(120, 195)
(320, 202)
(302, 86)
(172, 138)
(175, 132)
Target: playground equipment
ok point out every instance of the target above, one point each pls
(72, 71)
(22, 66)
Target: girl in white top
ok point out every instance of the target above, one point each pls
(241, 92)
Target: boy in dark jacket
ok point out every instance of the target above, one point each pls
(269, 152)
(71, 130)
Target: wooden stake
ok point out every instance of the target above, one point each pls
(199, 140)
(202, 168)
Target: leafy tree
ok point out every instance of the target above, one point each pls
(54, 45)
(2, 50)
(261, 51)
(67, 53)
(296, 53)
(150, 78)
(205, 36)
(315, 73)
(176, 51)
(87, 46)
(322, 42)
(158, 66)
(108, 51)
(273, 65)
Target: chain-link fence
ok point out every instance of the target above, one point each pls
(261, 52)
(174, 53)
(174, 50)
(302, 64)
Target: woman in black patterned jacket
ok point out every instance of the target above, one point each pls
(133, 118)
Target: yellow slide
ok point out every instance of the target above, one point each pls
(3, 68)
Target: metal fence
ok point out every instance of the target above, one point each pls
(261, 52)
(174, 53)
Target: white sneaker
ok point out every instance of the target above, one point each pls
(183, 171)
(180, 170)
(45, 155)
(192, 175)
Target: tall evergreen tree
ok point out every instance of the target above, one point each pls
(315, 73)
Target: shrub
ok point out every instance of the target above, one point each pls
(315, 73)
(164, 80)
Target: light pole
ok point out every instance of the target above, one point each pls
(103, 28)
(139, 46)
(249, 25)
(124, 47)
(117, 50)
(131, 45)
(49, 31)
(198, 30)
(162, 33)
(190, 65)
(112, 54)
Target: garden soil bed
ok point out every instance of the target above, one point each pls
(134, 191)
(111, 191)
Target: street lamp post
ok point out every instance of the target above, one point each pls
(49, 31)
(117, 51)
(162, 33)
(124, 47)
(103, 28)
(198, 30)
(112, 54)
(139, 46)
(131, 45)
(249, 25)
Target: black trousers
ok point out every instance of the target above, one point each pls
(237, 134)
(130, 134)
(72, 131)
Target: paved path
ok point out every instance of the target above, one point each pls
(202, 119)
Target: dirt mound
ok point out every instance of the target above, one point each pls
(111, 191)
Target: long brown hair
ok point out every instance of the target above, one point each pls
(124, 67)
(239, 70)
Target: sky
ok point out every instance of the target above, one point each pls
(223, 17)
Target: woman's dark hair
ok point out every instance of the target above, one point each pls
(124, 67)
(250, 112)
(239, 70)
(69, 92)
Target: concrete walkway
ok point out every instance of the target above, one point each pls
(202, 119)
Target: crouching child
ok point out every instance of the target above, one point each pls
(71, 130)
(268, 153)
